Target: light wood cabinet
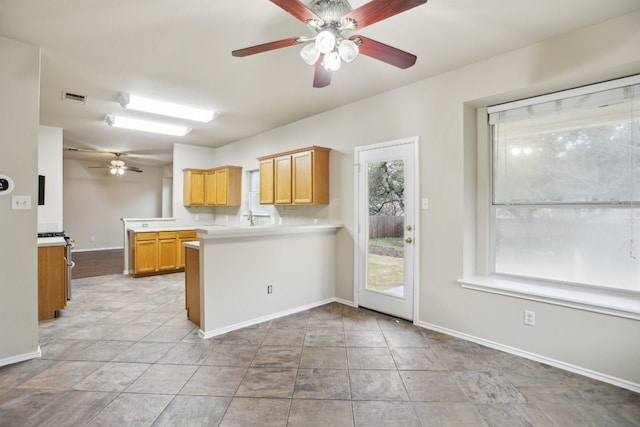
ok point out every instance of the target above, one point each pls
(194, 187)
(158, 252)
(168, 251)
(192, 284)
(213, 187)
(184, 236)
(145, 255)
(282, 174)
(52, 281)
(266, 182)
(299, 177)
(210, 190)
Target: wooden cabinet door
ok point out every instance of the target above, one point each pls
(210, 190)
(184, 236)
(282, 175)
(194, 187)
(52, 281)
(192, 284)
(167, 251)
(266, 182)
(222, 182)
(302, 181)
(146, 253)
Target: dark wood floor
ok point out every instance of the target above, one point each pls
(97, 263)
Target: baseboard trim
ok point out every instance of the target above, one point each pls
(98, 249)
(257, 320)
(345, 302)
(536, 357)
(21, 358)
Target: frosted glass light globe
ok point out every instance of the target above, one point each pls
(332, 61)
(310, 54)
(348, 50)
(325, 41)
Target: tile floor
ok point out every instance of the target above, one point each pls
(124, 354)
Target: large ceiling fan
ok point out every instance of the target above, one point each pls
(116, 166)
(330, 20)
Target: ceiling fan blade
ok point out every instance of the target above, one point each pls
(384, 53)
(292, 41)
(298, 10)
(378, 10)
(132, 168)
(322, 76)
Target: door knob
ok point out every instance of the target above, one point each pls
(408, 240)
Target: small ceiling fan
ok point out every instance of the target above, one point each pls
(331, 19)
(116, 166)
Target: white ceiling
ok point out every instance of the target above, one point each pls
(180, 51)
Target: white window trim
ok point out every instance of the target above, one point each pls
(598, 300)
(614, 302)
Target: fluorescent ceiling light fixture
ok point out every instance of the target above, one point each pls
(148, 105)
(143, 125)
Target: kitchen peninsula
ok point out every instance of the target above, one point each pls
(250, 275)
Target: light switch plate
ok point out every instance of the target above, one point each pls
(425, 203)
(20, 202)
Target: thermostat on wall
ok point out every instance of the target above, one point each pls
(6, 185)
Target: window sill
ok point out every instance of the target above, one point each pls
(599, 300)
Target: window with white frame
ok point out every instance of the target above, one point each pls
(565, 186)
(253, 193)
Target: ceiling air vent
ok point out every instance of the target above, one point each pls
(74, 97)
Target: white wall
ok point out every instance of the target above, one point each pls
(50, 217)
(191, 157)
(95, 201)
(442, 112)
(19, 112)
(236, 271)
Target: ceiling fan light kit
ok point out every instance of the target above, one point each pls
(146, 126)
(330, 19)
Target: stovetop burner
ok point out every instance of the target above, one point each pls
(52, 234)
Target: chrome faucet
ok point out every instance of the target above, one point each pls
(250, 218)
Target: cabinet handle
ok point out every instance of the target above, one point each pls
(408, 240)
(409, 228)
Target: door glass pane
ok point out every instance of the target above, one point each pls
(385, 257)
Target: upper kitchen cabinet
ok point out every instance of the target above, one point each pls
(299, 177)
(267, 190)
(213, 187)
(194, 183)
(228, 186)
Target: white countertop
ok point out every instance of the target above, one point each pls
(222, 232)
(51, 241)
(156, 228)
(194, 245)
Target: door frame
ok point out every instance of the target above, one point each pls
(415, 140)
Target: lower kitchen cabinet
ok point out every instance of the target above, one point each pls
(52, 281)
(184, 236)
(167, 251)
(158, 252)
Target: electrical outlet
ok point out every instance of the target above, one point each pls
(530, 318)
(93, 238)
(269, 289)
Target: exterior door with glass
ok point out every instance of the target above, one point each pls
(387, 231)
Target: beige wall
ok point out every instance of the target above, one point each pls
(442, 112)
(95, 200)
(50, 165)
(19, 112)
